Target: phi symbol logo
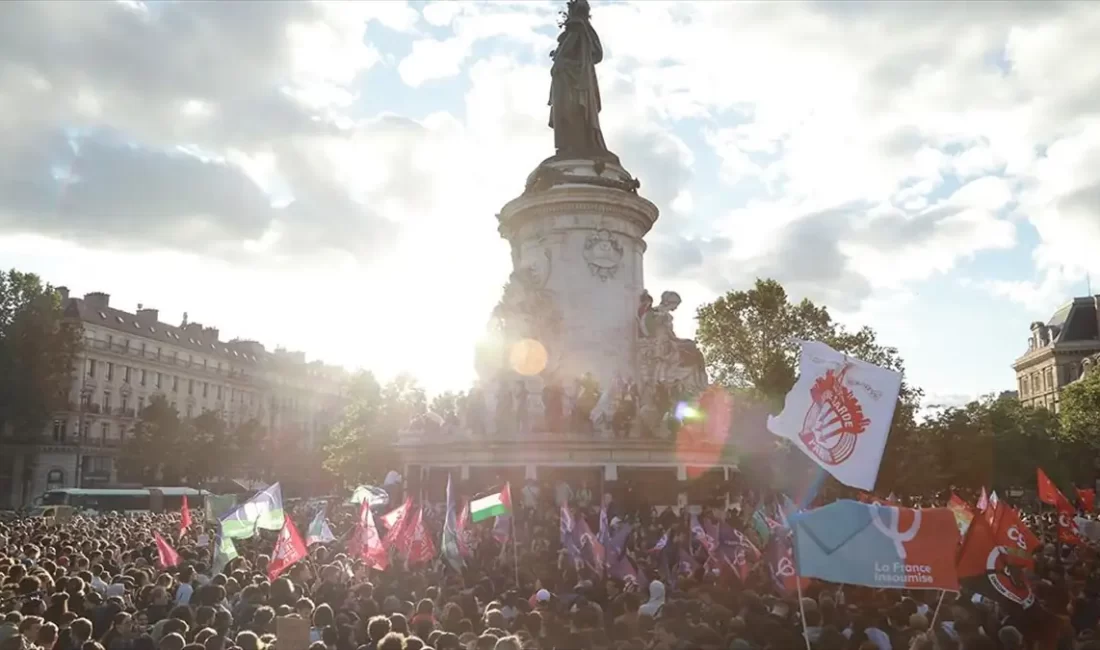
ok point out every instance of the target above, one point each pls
(834, 421)
(893, 529)
(1017, 537)
(785, 568)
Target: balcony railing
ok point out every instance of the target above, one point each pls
(166, 359)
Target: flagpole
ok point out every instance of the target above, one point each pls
(802, 608)
(515, 550)
(935, 614)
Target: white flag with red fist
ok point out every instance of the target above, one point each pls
(839, 413)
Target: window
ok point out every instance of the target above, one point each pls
(175, 383)
(91, 368)
(143, 376)
(124, 403)
(219, 392)
(190, 386)
(143, 349)
(110, 371)
(126, 374)
(58, 430)
(55, 478)
(110, 340)
(105, 430)
(141, 404)
(158, 380)
(106, 401)
(1023, 386)
(158, 353)
(189, 409)
(205, 389)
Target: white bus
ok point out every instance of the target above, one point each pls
(140, 500)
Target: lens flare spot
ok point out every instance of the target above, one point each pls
(528, 357)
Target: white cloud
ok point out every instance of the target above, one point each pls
(848, 153)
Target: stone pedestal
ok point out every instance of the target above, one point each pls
(579, 227)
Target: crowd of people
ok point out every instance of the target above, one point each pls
(96, 583)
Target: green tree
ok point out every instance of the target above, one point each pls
(1080, 410)
(208, 452)
(360, 447)
(448, 405)
(750, 339)
(38, 347)
(156, 451)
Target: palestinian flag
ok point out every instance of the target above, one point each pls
(494, 505)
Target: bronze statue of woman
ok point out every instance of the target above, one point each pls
(574, 90)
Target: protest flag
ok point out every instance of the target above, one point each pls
(289, 548)
(839, 413)
(319, 531)
(452, 549)
(877, 546)
(167, 555)
(265, 510)
(1087, 499)
(185, 516)
(493, 505)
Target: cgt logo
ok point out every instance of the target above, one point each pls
(1006, 577)
(1017, 538)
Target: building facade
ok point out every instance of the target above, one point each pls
(1059, 352)
(126, 360)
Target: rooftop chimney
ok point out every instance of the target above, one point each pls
(63, 292)
(147, 316)
(98, 299)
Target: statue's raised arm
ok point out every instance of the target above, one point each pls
(574, 91)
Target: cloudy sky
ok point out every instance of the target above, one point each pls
(325, 176)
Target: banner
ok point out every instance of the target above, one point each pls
(877, 546)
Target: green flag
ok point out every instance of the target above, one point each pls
(224, 553)
(265, 510)
(217, 505)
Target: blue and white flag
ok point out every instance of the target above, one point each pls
(319, 532)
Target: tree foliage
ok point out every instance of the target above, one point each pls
(37, 352)
(1080, 411)
(165, 449)
(750, 339)
(360, 448)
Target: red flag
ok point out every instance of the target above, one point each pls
(466, 535)
(395, 521)
(358, 537)
(963, 514)
(167, 555)
(1048, 492)
(1010, 532)
(988, 568)
(1068, 533)
(373, 553)
(289, 548)
(781, 561)
(185, 516)
(1087, 499)
(418, 544)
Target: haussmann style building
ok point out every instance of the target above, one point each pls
(126, 359)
